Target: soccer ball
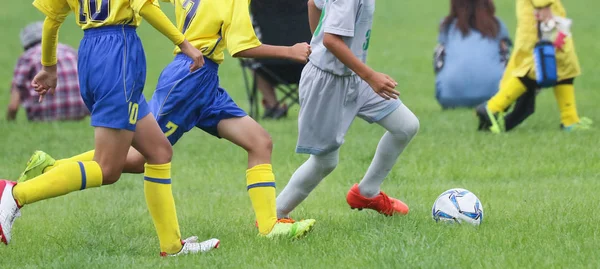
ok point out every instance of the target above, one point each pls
(458, 206)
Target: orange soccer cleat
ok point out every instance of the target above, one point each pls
(381, 203)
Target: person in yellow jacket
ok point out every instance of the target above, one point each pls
(518, 86)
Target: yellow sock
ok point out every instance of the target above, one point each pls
(565, 97)
(66, 178)
(508, 94)
(160, 202)
(261, 188)
(83, 157)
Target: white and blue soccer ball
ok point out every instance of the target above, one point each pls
(458, 206)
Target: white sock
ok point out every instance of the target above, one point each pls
(401, 126)
(304, 180)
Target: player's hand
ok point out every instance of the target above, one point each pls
(300, 52)
(544, 14)
(383, 85)
(194, 54)
(45, 81)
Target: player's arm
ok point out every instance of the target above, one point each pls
(381, 83)
(314, 14)
(242, 41)
(340, 22)
(153, 15)
(13, 106)
(298, 52)
(45, 81)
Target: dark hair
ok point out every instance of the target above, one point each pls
(477, 14)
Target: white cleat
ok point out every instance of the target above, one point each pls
(192, 246)
(9, 210)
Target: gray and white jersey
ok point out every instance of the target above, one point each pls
(350, 19)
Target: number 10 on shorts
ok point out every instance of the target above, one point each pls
(133, 112)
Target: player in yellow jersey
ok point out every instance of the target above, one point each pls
(185, 100)
(112, 71)
(519, 86)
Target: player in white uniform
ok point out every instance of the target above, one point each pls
(335, 87)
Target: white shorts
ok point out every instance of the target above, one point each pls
(328, 105)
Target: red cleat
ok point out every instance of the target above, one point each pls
(380, 203)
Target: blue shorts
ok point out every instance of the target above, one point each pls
(185, 100)
(112, 73)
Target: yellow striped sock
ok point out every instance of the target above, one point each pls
(66, 178)
(160, 202)
(565, 97)
(261, 188)
(83, 157)
(508, 94)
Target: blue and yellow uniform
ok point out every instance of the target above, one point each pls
(112, 65)
(185, 100)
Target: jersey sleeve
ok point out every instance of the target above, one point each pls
(340, 17)
(239, 33)
(137, 5)
(54, 9)
(319, 4)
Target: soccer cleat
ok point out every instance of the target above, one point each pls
(192, 246)
(36, 165)
(290, 228)
(582, 125)
(9, 210)
(489, 121)
(380, 203)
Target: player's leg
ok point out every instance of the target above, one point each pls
(491, 113)
(260, 180)
(521, 110)
(105, 169)
(304, 180)
(328, 107)
(564, 92)
(66, 178)
(401, 125)
(150, 142)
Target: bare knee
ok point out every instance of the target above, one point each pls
(110, 173)
(262, 145)
(160, 154)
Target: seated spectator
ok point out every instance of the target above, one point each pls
(471, 55)
(282, 23)
(65, 103)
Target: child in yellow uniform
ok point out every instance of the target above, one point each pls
(112, 72)
(519, 84)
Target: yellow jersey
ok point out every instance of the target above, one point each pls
(521, 63)
(94, 13)
(215, 25)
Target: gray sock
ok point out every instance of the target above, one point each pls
(304, 180)
(401, 126)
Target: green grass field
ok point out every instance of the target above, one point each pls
(537, 184)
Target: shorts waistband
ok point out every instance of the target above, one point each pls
(208, 63)
(108, 29)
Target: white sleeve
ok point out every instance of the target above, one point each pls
(319, 3)
(340, 17)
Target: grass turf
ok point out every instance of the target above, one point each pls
(537, 185)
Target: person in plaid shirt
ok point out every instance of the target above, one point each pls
(66, 102)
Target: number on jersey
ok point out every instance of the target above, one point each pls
(98, 10)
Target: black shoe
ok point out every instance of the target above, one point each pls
(484, 120)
